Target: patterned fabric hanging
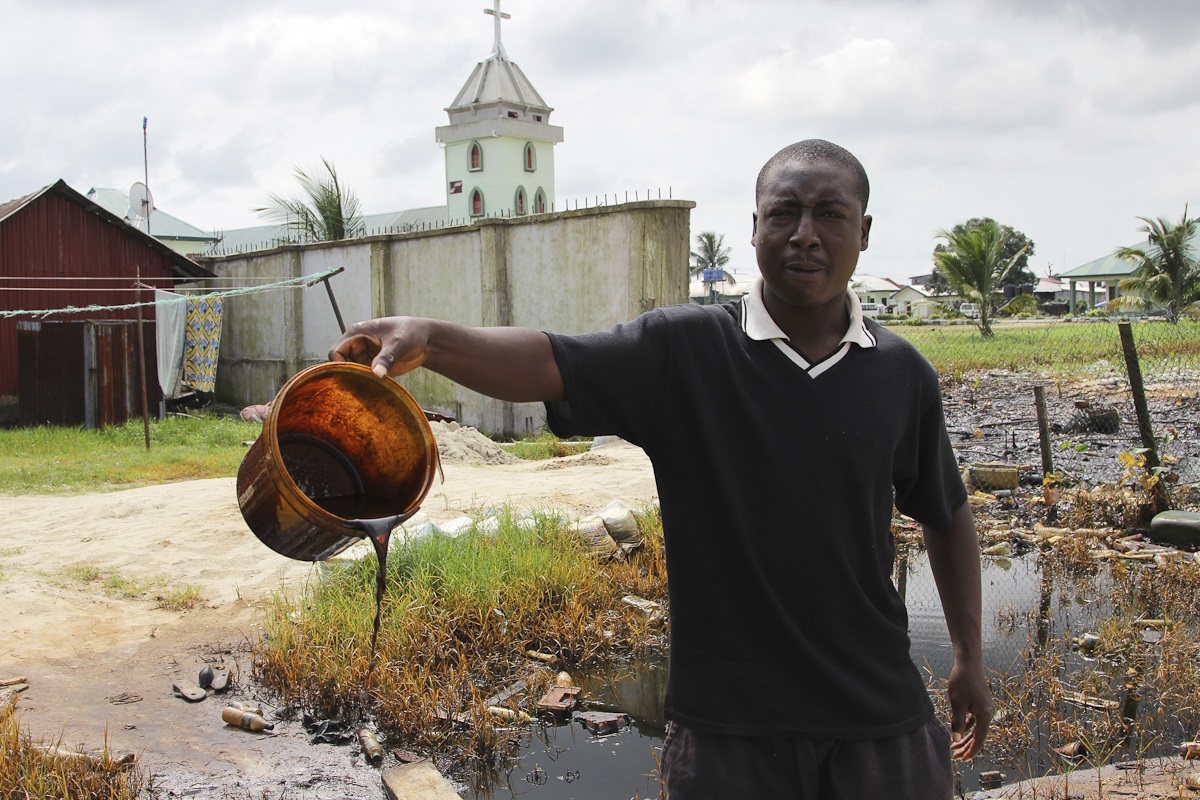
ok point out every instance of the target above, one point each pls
(202, 342)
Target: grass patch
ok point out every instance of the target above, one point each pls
(182, 598)
(458, 618)
(1059, 348)
(35, 770)
(543, 446)
(114, 584)
(74, 460)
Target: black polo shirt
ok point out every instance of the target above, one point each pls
(776, 479)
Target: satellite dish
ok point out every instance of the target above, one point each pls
(140, 201)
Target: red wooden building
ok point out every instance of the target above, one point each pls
(57, 250)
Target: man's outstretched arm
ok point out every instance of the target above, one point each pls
(512, 364)
(954, 559)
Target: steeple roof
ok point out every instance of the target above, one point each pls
(498, 81)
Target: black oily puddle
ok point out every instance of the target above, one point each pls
(565, 762)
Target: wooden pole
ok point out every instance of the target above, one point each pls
(141, 349)
(1145, 430)
(1049, 492)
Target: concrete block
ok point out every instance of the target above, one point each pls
(419, 780)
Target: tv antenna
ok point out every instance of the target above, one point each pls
(141, 203)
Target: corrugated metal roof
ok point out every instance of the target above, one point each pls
(1111, 267)
(264, 237)
(181, 265)
(873, 283)
(162, 224)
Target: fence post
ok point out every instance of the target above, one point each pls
(1049, 492)
(1134, 370)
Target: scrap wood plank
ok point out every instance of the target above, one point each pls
(560, 698)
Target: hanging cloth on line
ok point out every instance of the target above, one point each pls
(202, 342)
(169, 318)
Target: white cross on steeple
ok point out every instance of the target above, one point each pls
(498, 48)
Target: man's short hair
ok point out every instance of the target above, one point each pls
(811, 150)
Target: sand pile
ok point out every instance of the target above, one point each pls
(462, 444)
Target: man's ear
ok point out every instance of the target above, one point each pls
(866, 231)
(753, 227)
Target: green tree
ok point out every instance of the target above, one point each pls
(326, 212)
(974, 263)
(1168, 270)
(711, 253)
(1018, 244)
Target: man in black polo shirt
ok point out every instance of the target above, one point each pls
(790, 671)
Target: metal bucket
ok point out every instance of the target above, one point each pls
(339, 446)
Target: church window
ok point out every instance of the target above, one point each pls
(475, 162)
(539, 202)
(520, 200)
(476, 203)
(537, 117)
(512, 115)
(530, 157)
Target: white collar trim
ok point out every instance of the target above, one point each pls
(758, 324)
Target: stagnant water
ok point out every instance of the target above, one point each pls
(566, 762)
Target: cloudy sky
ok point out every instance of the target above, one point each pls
(1066, 119)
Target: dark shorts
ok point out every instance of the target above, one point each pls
(912, 766)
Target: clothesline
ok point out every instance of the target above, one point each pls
(43, 313)
(119, 278)
(142, 288)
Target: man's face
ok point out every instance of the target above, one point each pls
(808, 231)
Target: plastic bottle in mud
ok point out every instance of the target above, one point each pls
(245, 720)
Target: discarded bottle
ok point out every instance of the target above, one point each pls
(245, 720)
(206, 677)
(372, 750)
(564, 679)
(509, 715)
(253, 708)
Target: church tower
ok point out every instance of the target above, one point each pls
(499, 144)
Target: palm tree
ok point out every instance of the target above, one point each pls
(326, 213)
(975, 265)
(711, 253)
(1168, 271)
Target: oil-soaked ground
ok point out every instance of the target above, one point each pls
(123, 695)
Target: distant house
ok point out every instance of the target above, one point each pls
(176, 234)
(1101, 276)
(912, 301)
(871, 289)
(58, 249)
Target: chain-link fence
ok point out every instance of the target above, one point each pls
(1074, 633)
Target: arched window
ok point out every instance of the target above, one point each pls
(475, 158)
(476, 203)
(530, 157)
(519, 201)
(539, 202)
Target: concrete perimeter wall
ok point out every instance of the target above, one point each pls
(566, 272)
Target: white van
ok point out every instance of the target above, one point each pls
(970, 309)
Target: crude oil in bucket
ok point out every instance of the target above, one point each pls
(344, 455)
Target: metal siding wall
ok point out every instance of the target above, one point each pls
(53, 374)
(84, 373)
(53, 237)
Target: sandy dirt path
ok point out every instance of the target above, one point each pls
(101, 666)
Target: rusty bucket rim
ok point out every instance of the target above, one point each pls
(309, 510)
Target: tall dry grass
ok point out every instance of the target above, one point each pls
(459, 618)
